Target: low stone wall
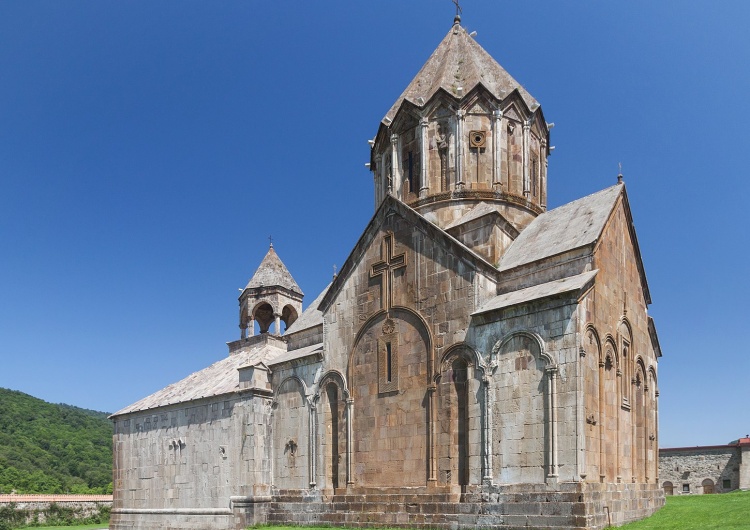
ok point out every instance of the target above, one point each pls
(28, 509)
(699, 470)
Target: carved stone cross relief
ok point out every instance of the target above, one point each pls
(385, 269)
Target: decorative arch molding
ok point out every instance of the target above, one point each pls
(471, 356)
(590, 328)
(640, 367)
(468, 353)
(624, 321)
(610, 348)
(627, 364)
(652, 374)
(331, 376)
(420, 324)
(551, 370)
(300, 382)
(394, 311)
(549, 361)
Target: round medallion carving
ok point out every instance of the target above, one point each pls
(388, 326)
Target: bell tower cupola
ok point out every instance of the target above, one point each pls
(270, 297)
(464, 134)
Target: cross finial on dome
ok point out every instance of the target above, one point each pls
(270, 242)
(457, 18)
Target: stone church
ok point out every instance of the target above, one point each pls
(479, 360)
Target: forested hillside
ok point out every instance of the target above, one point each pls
(47, 448)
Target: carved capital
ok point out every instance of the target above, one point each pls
(394, 138)
(424, 122)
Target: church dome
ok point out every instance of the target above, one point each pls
(464, 133)
(458, 65)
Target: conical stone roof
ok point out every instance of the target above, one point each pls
(273, 273)
(459, 61)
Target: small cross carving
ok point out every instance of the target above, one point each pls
(384, 268)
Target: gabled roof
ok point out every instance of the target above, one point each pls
(310, 317)
(391, 204)
(481, 210)
(537, 292)
(273, 273)
(219, 378)
(300, 353)
(573, 225)
(459, 61)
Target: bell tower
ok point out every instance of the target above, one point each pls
(465, 141)
(270, 297)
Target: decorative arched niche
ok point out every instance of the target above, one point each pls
(609, 375)
(461, 402)
(291, 435)
(389, 374)
(331, 401)
(627, 361)
(593, 362)
(524, 388)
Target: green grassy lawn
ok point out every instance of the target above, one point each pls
(81, 527)
(728, 511)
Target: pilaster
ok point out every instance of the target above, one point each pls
(497, 143)
(394, 183)
(460, 116)
(423, 148)
(526, 156)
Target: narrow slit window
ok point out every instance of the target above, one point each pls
(411, 172)
(388, 363)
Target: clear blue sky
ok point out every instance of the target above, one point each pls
(148, 150)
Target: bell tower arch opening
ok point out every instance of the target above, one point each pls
(271, 298)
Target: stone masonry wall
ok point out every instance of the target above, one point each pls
(687, 469)
(178, 464)
(624, 413)
(520, 389)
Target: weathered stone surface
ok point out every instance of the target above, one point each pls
(707, 469)
(477, 362)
